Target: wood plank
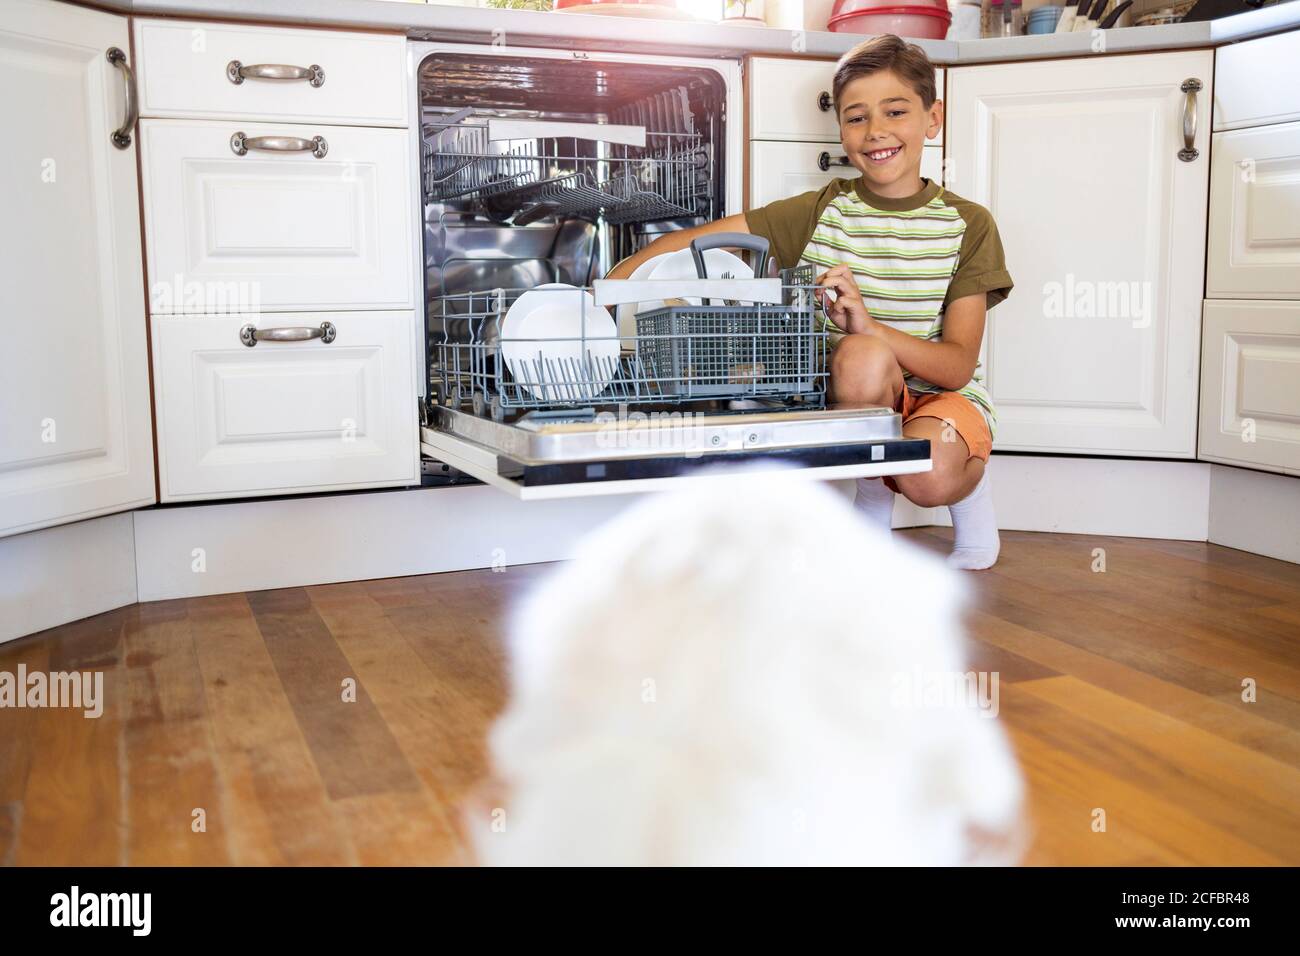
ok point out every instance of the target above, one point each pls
(276, 808)
(355, 751)
(1231, 721)
(73, 814)
(168, 752)
(1246, 795)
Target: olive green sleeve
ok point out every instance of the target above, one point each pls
(981, 264)
(788, 224)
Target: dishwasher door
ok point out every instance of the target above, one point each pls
(570, 455)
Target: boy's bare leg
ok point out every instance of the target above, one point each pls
(864, 370)
(961, 483)
(954, 473)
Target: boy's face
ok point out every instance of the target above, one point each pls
(883, 129)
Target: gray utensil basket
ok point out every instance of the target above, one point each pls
(709, 351)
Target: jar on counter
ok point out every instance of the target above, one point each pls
(749, 12)
(991, 21)
(967, 21)
(1014, 24)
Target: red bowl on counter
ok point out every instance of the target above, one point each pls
(917, 21)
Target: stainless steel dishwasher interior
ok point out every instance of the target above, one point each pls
(470, 243)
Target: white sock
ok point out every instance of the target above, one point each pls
(876, 502)
(975, 529)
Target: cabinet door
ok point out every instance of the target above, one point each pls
(1255, 214)
(781, 170)
(790, 100)
(1250, 399)
(326, 413)
(1103, 224)
(289, 230)
(74, 380)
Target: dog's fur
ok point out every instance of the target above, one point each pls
(715, 679)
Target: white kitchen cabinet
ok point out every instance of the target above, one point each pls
(284, 417)
(780, 170)
(292, 230)
(74, 381)
(1257, 82)
(1255, 214)
(1103, 225)
(790, 100)
(1250, 378)
(238, 71)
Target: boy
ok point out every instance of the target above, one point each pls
(914, 269)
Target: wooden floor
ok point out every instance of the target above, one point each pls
(1121, 690)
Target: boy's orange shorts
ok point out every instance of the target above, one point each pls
(954, 409)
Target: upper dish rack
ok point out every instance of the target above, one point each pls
(622, 174)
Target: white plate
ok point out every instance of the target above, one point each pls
(556, 318)
(677, 265)
(628, 310)
(718, 264)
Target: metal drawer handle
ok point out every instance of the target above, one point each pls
(824, 102)
(317, 146)
(824, 162)
(236, 72)
(121, 136)
(1189, 152)
(250, 335)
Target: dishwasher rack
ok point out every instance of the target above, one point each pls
(681, 352)
(571, 176)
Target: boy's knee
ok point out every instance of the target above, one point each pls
(863, 369)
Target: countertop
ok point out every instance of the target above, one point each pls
(620, 34)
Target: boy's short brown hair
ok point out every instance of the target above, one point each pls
(886, 52)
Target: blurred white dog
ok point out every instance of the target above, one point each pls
(729, 674)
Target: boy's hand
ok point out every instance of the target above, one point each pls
(847, 311)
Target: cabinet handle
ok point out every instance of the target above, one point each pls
(317, 146)
(1189, 152)
(824, 162)
(236, 72)
(121, 136)
(250, 335)
(824, 102)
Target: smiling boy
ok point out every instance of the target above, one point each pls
(914, 268)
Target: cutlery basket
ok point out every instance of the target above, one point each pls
(718, 351)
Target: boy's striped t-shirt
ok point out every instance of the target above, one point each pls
(911, 257)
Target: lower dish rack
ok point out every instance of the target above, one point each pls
(681, 352)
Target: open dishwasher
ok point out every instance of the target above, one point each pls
(540, 171)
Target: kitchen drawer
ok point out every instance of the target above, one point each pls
(184, 71)
(1257, 82)
(785, 100)
(781, 170)
(1250, 373)
(284, 417)
(1254, 237)
(296, 232)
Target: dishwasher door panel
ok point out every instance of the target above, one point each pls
(615, 454)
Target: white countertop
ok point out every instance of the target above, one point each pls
(622, 34)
